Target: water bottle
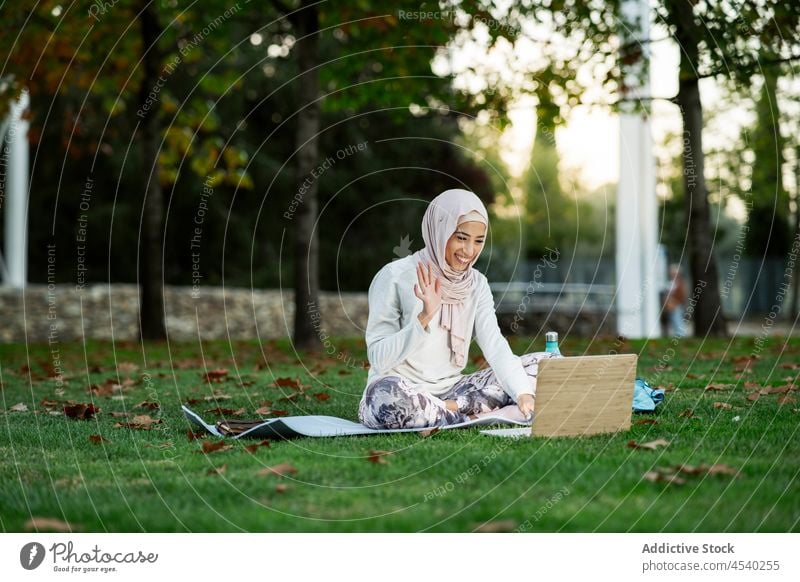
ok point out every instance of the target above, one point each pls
(551, 342)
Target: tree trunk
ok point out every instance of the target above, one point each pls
(709, 318)
(306, 248)
(151, 280)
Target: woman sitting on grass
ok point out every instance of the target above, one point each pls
(418, 333)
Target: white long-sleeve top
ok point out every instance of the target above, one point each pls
(398, 345)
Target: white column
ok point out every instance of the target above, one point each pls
(16, 201)
(636, 213)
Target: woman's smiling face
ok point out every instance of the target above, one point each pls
(465, 243)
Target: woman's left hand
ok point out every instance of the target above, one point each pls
(525, 403)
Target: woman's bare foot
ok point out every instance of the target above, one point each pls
(451, 405)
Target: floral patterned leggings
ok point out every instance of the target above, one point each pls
(391, 401)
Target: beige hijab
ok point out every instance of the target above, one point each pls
(443, 215)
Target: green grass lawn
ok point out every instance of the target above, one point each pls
(455, 480)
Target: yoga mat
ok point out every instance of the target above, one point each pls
(331, 426)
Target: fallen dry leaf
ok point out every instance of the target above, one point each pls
(195, 435)
(80, 411)
(288, 383)
(145, 420)
(255, 447)
(97, 439)
(667, 477)
(688, 413)
(20, 407)
(344, 372)
(744, 367)
(724, 405)
(280, 470)
(139, 422)
(790, 365)
(787, 399)
(110, 386)
(47, 403)
(321, 396)
(214, 447)
(652, 445)
(279, 413)
(100, 389)
(226, 411)
(716, 469)
(377, 456)
(671, 474)
(429, 432)
(684, 468)
(753, 396)
(148, 405)
(217, 470)
(281, 488)
(264, 411)
(719, 387)
(39, 524)
(646, 421)
(776, 389)
(217, 375)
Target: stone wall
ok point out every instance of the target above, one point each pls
(105, 311)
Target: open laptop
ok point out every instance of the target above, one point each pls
(580, 396)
